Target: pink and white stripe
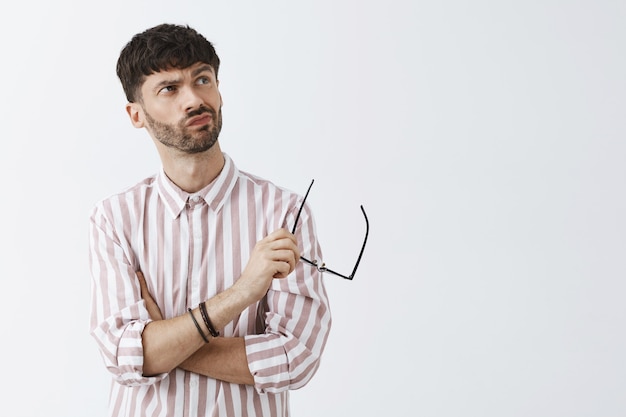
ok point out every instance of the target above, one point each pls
(191, 247)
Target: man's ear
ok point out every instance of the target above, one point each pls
(135, 112)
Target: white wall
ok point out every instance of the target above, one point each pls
(485, 140)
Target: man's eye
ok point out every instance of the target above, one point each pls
(204, 80)
(167, 89)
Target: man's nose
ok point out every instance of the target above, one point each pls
(191, 100)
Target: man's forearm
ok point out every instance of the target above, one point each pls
(223, 358)
(167, 343)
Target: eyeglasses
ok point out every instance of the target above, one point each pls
(323, 267)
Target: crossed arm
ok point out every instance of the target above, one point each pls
(175, 342)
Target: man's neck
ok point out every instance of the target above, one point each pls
(192, 172)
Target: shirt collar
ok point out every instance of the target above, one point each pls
(214, 194)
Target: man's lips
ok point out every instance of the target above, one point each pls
(200, 120)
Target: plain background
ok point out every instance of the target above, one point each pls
(485, 139)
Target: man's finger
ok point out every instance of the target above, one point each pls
(283, 270)
(142, 285)
(151, 305)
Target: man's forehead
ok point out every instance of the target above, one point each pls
(175, 72)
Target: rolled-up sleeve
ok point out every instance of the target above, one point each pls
(118, 313)
(297, 322)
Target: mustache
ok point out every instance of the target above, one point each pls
(201, 110)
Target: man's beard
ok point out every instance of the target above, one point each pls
(179, 137)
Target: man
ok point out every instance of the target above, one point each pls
(200, 306)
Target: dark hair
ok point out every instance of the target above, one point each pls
(162, 47)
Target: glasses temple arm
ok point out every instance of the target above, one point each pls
(295, 224)
(367, 231)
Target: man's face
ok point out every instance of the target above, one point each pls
(182, 108)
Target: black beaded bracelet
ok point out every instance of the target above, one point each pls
(207, 321)
(206, 339)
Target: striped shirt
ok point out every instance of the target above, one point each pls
(191, 247)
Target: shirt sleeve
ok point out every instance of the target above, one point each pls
(297, 321)
(118, 313)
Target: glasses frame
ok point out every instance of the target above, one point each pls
(323, 268)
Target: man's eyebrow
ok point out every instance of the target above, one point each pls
(201, 69)
(174, 81)
(165, 83)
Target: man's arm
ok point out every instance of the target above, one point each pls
(227, 356)
(224, 358)
(169, 343)
(285, 356)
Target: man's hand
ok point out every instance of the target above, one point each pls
(151, 305)
(275, 256)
